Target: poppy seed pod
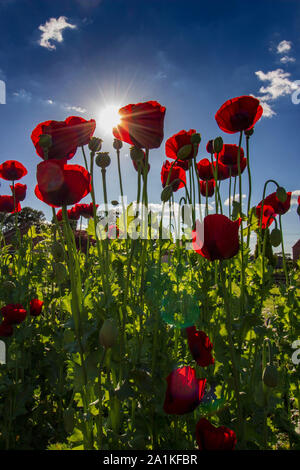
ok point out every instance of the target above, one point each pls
(108, 334)
(166, 193)
(270, 376)
(184, 152)
(117, 144)
(103, 160)
(275, 237)
(60, 272)
(195, 138)
(45, 141)
(218, 144)
(95, 144)
(281, 194)
(136, 154)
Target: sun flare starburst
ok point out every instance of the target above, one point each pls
(109, 118)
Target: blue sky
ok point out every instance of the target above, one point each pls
(73, 57)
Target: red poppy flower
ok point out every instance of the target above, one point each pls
(20, 191)
(86, 210)
(200, 346)
(184, 391)
(36, 306)
(278, 206)
(182, 139)
(184, 164)
(12, 170)
(13, 314)
(218, 238)
(6, 329)
(239, 114)
(268, 215)
(229, 154)
(66, 136)
(223, 171)
(208, 185)
(234, 168)
(205, 169)
(176, 173)
(142, 125)
(60, 184)
(209, 437)
(7, 204)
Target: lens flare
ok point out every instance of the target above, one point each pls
(109, 118)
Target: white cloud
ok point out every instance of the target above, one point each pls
(279, 85)
(284, 46)
(286, 59)
(226, 202)
(52, 31)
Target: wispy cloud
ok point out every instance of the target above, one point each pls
(286, 59)
(284, 47)
(52, 31)
(22, 95)
(65, 106)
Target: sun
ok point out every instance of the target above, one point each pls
(109, 118)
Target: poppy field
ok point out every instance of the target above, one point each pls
(141, 333)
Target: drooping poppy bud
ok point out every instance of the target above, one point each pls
(270, 376)
(281, 194)
(166, 193)
(218, 144)
(108, 334)
(275, 237)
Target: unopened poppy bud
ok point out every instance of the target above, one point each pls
(103, 160)
(69, 420)
(45, 141)
(275, 237)
(195, 138)
(184, 152)
(281, 194)
(60, 272)
(249, 132)
(298, 210)
(57, 251)
(210, 146)
(117, 144)
(270, 376)
(108, 334)
(136, 154)
(95, 144)
(166, 193)
(218, 144)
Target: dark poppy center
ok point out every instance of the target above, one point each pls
(241, 120)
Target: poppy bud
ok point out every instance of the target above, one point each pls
(166, 193)
(210, 146)
(57, 251)
(108, 334)
(95, 144)
(60, 272)
(249, 132)
(195, 138)
(184, 152)
(275, 237)
(45, 141)
(69, 420)
(298, 210)
(117, 144)
(270, 376)
(218, 144)
(136, 154)
(281, 194)
(103, 160)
